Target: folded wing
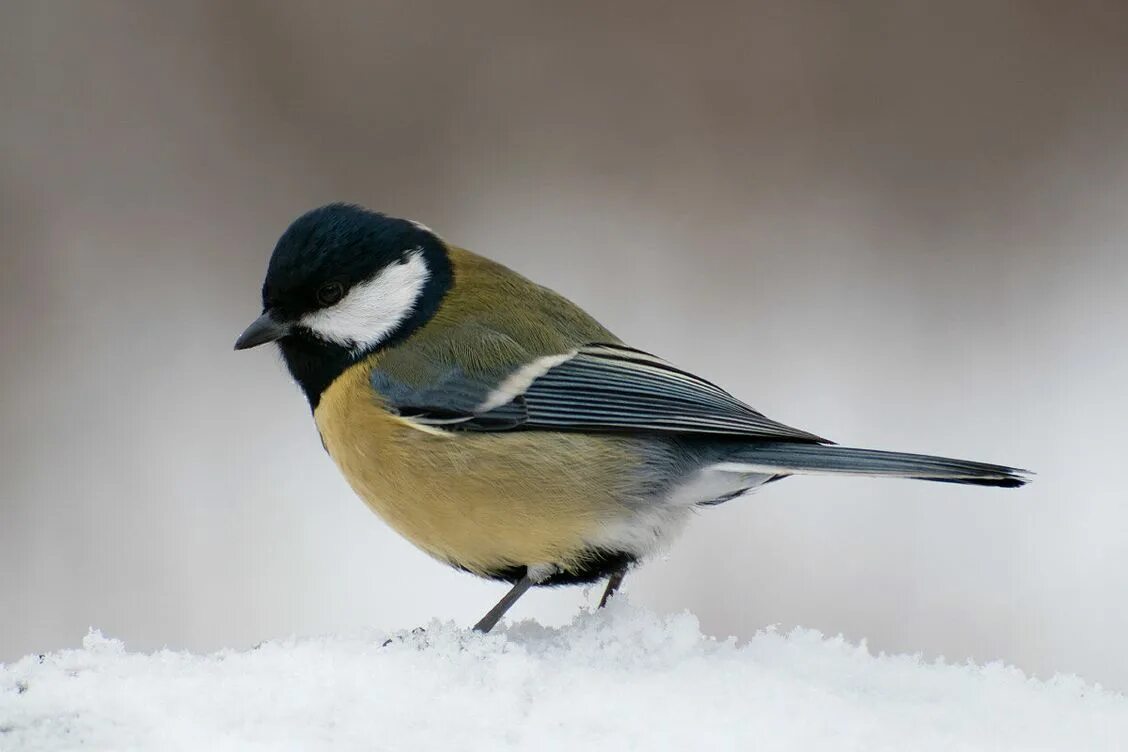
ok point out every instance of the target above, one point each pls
(598, 388)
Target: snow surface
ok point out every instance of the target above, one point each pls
(620, 679)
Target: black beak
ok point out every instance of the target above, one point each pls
(264, 329)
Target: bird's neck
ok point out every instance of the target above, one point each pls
(315, 363)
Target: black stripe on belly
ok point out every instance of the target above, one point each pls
(596, 564)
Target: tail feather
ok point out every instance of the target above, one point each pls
(821, 459)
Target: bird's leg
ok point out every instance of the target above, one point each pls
(487, 622)
(613, 583)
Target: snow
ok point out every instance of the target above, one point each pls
(619, 679)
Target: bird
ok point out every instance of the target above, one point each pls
(504, 431)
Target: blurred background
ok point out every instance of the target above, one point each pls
(898, 225)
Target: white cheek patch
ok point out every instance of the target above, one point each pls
(373, 309)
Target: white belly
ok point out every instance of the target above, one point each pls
(648, 530)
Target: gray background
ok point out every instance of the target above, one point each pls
(898, 225)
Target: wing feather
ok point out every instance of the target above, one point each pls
(596, 388)
(607, 387)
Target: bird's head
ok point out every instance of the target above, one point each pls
(344, 282)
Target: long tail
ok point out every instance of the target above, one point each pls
(785, 458)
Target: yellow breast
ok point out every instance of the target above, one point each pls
(481, 501)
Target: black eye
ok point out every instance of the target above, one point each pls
(330, 292)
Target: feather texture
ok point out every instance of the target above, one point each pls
(599, 387)
(807, 459)
(610, 387)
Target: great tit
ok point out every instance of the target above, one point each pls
(503, 430)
